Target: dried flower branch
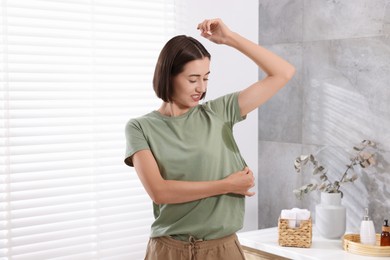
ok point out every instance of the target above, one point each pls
(362, 158)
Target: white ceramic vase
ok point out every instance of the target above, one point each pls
(330, 219)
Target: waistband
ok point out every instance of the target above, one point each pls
(196, 243)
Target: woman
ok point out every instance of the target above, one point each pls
(185, 154)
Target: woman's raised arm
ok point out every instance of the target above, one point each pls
(278, 71)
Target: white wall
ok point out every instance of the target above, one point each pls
(230, 71)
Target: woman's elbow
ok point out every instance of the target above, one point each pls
(158, 200)
(159, 197)
(289, 73)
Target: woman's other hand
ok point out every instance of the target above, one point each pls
(215, 30)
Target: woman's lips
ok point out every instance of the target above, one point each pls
(196, 98)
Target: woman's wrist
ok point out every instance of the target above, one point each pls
(231, 39)
(223, 186)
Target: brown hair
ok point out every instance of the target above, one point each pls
(176, 53)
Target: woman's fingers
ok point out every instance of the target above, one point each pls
(250, 193)
(208, 25)
(251, 180)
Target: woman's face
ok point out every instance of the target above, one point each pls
(191, 83)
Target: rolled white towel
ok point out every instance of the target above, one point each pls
(291, 216)
(302, 214)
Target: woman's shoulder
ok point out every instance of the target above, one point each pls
(136, 121)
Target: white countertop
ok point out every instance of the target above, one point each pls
(266, 240)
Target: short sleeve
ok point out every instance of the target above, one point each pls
(135, 140)
(227, 108)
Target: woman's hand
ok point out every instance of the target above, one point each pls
(215, 30)
(240, 182)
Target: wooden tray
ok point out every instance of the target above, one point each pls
(351, 243)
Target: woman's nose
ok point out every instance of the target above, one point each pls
(201, 88)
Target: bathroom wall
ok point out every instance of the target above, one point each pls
(339, 96)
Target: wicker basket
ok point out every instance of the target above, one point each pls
(295, 237)
(351, 243)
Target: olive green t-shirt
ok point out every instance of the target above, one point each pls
(196, 146)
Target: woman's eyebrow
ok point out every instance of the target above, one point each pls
(198, 75)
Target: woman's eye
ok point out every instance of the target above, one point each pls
(205, 79)
(192, 81)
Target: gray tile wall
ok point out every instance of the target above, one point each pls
(339, 96)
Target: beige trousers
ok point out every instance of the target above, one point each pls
(167, 248)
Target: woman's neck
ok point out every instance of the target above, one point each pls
(171, 110)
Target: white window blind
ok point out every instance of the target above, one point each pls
(72, 73)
